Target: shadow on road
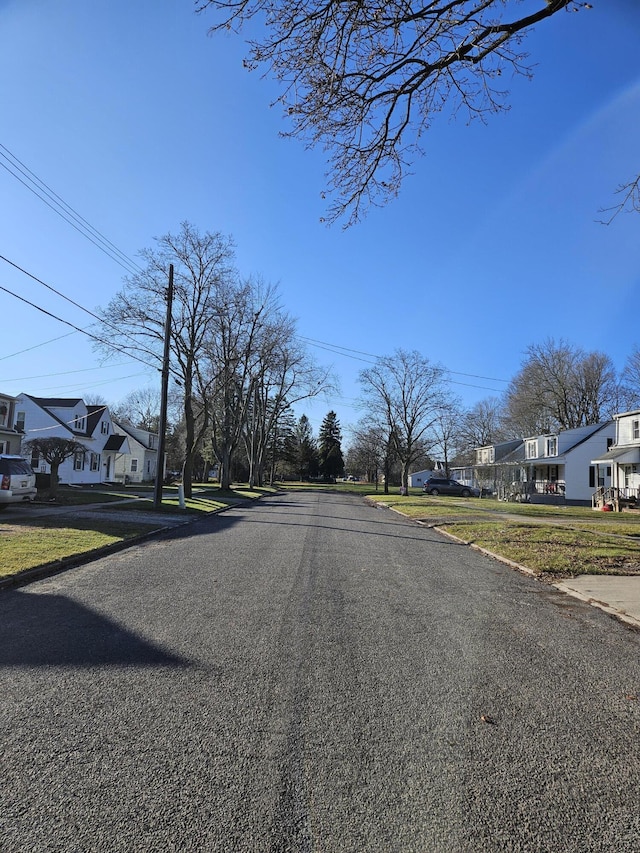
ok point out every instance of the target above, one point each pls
(53, 630)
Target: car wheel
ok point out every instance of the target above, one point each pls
(465, 493)
(434, 492)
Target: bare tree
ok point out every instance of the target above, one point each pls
(372, 449)
(365, 80)
(560, 387)
(232, 346)
(482, 424)
(446, 430)
(54, 451)
(134, 319)
(286, 374)
(406, 392)
(628, 200)
(141, 408)
(630, 380)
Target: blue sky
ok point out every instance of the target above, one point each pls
(139, 120)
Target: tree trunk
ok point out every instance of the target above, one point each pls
(53, 484)
(225, 468)
(404, 481)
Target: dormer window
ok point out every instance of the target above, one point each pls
(532, 450)
(104, 427)
(552, 447)
(635, 429)
(79, 423)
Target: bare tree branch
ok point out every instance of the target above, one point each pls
(364, 80)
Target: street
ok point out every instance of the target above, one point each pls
(310, 673)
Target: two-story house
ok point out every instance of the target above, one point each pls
(139, 465)
(91, 426)
(558, 467)
(622, 462)
(496, 469)
(10, 435)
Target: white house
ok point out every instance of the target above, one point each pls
(559, 465)
(71, 418)
(139, 465)
(618, 478)
(419, 478)
(551, 468)
(495, 467)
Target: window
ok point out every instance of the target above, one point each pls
(134, 466)
(104, 427)
(153, 441)
(635, 428)
(592, 476)
(2, 447)
(609, 443)
(148, 466)
(78, 423)
(4, 409)
(95, 462)
(78, 462)
(532, 450)
(552, 447)
(20, 421)
(35, 459)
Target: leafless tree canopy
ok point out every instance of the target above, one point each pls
(631, 380)
(366, 79)
(405, 392)
(560, 387)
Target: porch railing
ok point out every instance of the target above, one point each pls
(615, 497)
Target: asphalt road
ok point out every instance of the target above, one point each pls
(309, 673)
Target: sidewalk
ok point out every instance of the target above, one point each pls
(617, 595)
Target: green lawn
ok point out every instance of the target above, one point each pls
(33, 541)
(551, 540)
(25, 544)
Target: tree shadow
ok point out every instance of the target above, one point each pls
(47, 629)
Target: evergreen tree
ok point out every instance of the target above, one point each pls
(305, 450)
(330, 447)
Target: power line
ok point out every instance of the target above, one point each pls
(62, 373)
(76, 328)
(53, 290)
(36, 346)
(340, 350)
(56, 203)
(77, 305)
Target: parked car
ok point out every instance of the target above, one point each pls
(17, 481)
(442, 486)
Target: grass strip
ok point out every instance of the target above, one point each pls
(25, 545)
(554, 550)
(560, 541)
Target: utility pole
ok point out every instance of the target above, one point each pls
(157, 494)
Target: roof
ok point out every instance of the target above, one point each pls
(629, 453)
(114, 442)
(94, 414)
(49, 403)
(56, 402)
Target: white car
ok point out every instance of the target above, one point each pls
(17, 481)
